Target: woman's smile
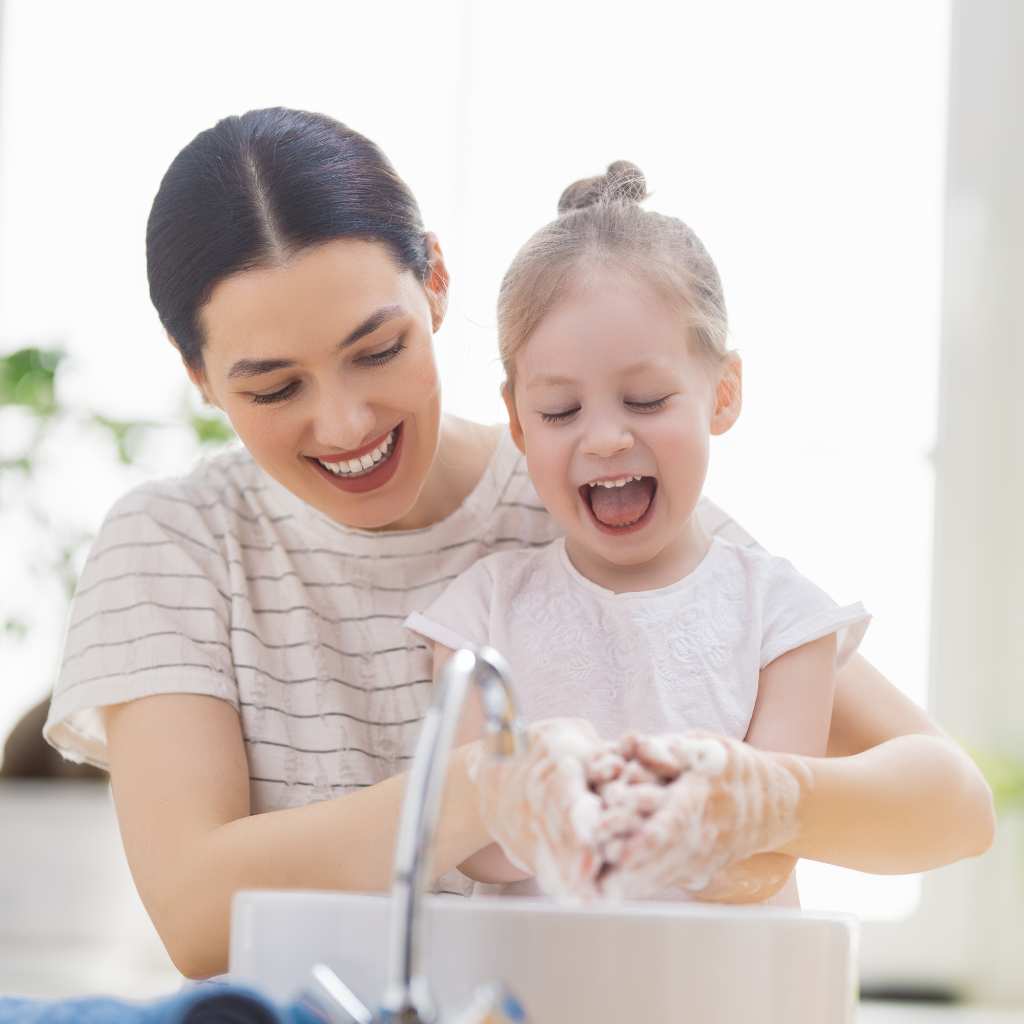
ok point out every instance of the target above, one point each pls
(376, 462)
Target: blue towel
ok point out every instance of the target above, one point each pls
(201, 1004)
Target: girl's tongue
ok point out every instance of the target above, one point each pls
(620, 506)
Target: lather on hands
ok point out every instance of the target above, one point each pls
(644, 816)
(540, 809)
(722, 801)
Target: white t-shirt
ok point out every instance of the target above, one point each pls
(685, 656)
(224, 583)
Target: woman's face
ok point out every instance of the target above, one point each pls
(325, 367)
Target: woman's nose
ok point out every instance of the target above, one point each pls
(343, 422)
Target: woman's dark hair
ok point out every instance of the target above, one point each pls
(255, 189)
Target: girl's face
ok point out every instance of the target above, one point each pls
(325, 367)
(614, 412)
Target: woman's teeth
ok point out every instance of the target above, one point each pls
(620, 482)
(357, 467)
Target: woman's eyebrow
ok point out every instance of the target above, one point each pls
(254, 367)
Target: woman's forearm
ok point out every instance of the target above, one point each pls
(912, 803)
(346, 844)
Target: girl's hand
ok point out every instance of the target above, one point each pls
(724, 801)
(540, 809)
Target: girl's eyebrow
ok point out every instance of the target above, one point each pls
(548, 378)
(255, 367)
(554, 380)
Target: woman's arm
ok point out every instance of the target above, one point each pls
(896, 794)
(488, 864)
(180, 781)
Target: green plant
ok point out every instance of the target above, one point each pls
(32, 412)
(1005, 774)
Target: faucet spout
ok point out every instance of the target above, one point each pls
(408, 999)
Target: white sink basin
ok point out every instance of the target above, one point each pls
(642, 962)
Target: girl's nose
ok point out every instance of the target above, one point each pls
(607, 439)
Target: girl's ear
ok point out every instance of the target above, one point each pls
(514, 426)
(728, 394)
(437, 281)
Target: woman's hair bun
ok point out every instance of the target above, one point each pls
(623, 182)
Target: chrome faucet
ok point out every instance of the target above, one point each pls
(408, 998)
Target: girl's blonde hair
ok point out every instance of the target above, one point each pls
(600, 226)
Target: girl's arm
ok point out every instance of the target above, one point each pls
(180, 782)
(792, 713)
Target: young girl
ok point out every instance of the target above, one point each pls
(612, 334)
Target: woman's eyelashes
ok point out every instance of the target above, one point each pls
(370, 359)
(276, 396)
(379, 358)
(641, 407)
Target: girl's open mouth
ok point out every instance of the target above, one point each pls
(622, 506)
(368, 472)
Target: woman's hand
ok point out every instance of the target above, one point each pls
(724, 801)
(540, 809)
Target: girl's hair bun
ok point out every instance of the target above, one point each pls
(623, 182)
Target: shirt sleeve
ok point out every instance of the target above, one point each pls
(796, 611)
(460, 617)
(150, 615)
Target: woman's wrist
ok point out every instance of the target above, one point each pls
(463, 798)
(799, 773)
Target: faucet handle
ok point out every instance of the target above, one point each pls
(492, 1004)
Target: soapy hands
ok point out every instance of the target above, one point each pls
(644, 816)
(719, 801)
(540, 808)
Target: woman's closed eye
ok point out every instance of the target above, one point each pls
(370, 359)
(380, 358)
(276, 396)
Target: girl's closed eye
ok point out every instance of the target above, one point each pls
(559, 417)
(652, 406)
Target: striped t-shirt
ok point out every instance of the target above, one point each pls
(224, 583)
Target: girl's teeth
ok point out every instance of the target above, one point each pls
(615, 483)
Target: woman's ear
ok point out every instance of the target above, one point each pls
(437, 281)
(728, 394)
(514, 426)
(197, 375)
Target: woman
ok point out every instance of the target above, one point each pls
(236, 654)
